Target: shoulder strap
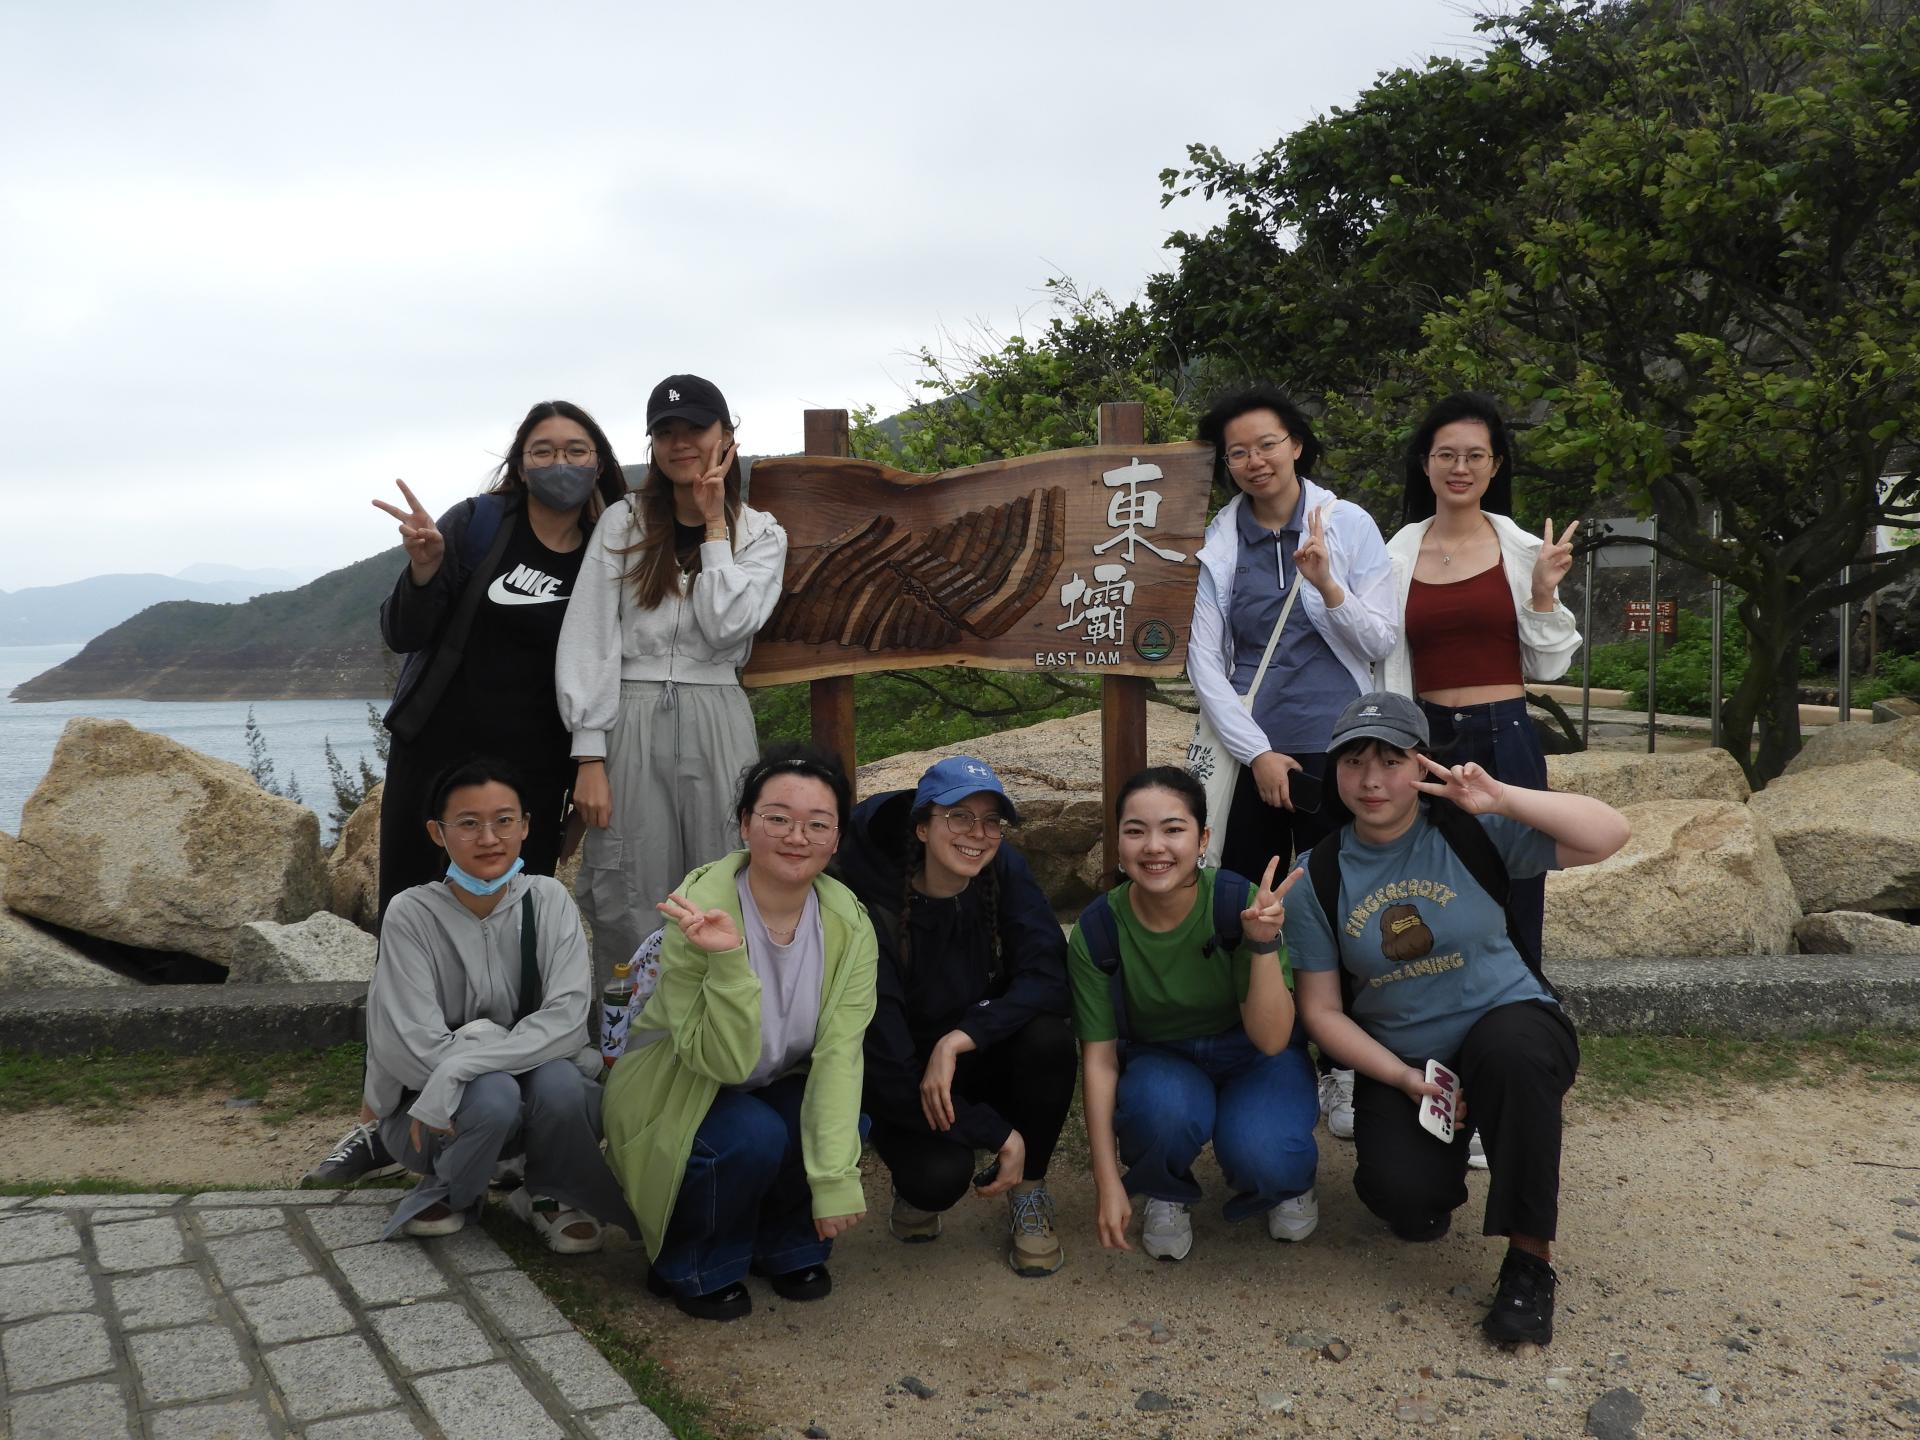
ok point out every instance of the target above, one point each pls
(1474, 848)
(1230, 890)
(530, 997)
(484, 515)
(1102, 933)
(1323, 874)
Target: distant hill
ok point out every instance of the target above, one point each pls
(262, 579)
(61, 614)
(321, 641)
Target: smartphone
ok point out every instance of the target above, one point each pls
(987, 1176)
(1305, 792)
(1436, 1111)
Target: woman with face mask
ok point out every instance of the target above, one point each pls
(476, 613)
(678, 578)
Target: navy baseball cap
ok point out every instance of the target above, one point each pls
(687, 397)
(955, 778)
(1383, 715)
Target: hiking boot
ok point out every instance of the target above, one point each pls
(359, 1156)
(1336, 1103)
(1523, 1305)
(1294, 1219)
(1166, 1230)
(1476, 1153)
(1033, 1249)
(911, 1224)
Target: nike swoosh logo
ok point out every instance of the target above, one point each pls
(500, 595)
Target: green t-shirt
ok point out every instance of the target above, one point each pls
(1175, 990)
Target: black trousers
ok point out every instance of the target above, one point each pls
(1257, 831)
(1028, 1078)
(1516, 1064)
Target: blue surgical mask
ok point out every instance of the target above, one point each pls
(562, 487)
(474, 886)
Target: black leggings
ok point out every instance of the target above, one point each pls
(1028, 1078)
(1515, 1065)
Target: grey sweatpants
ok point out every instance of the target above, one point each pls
(552, 1113)
(674, 759)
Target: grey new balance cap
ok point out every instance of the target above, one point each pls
(1382, 715)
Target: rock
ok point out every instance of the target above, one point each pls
(1336, 1351)
(916, 1387)
(1417, 1408)
(1616, 1415)
(1311, 1339)
(1895, 707)
(1830, 745)
(1623, 778)
(816, 1432)
(31, 959)
(1151, 1399)
(1855, 932)
(1849, 834)
(353, 870)
(135, 838)
(1052, 771)
(321, 947)
(1275, 1402)
(1697, 877)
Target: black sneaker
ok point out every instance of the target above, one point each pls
(809, 1282)
(359, 1156)
(730, 1302)
(1523, 1305)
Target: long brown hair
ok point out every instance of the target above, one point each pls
(608, 487)
(655, 571)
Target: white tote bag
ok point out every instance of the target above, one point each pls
(1208, 759)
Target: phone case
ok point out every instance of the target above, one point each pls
(1436, 1111)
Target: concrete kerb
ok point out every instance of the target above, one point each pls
(1748, 996)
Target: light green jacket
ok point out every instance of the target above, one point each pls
(709, 1007)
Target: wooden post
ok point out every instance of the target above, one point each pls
(824, 432)
(1123, 698)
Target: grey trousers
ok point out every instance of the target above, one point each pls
(674, 759)
(551, 1114)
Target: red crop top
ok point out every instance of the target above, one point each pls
(1464, 633)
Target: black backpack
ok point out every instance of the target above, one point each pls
(1471, 846)
(1102, 934)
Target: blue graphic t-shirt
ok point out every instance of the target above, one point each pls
(1427, 947)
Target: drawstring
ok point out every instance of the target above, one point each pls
(669, 695)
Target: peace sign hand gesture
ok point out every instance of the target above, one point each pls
(424, 544)
(1467, 786)
(710, 490)
(1311, 558)
(712, 932)
(1551, 565)
(1264, 916)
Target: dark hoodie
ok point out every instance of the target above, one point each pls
(952, 981)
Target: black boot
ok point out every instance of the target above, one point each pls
(1523, 1304)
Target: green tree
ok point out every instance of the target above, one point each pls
(260, 764)
(1679, 240)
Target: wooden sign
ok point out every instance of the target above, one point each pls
(1077, 561)
(1637, 616)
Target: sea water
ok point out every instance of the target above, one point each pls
(296, 732)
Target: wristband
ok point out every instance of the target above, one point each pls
(1271, 947)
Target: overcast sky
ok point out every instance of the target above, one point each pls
(261, 258)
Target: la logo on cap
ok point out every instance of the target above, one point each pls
(673, 397)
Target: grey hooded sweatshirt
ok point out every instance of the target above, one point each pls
(442, 969)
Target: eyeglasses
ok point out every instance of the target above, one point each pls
(1266, 449)
(577, 452)
(468, 827)
(964, 822)
(1472, 459)
(779, 826)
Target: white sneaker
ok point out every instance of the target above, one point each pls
(1336, 1103)
(1295, 1219)
(567, 1232)
(1476, 1153)
(1166, 1232)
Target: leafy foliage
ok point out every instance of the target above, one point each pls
(260, 764)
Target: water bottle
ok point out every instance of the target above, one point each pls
(616, 1013)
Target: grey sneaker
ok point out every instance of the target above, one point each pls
(1166, 1230)
(359, 1156)
(912, 1224)
(1033, 1249)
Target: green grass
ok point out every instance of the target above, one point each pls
(99, 1084)
(1658, 1067)
(583, 1293)
(94, 1185)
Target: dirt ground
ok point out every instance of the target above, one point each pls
(1740, 1266)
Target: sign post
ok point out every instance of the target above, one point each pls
(824, 432)
(1123, 698)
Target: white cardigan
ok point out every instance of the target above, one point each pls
(1359, 631)
(1548, 639)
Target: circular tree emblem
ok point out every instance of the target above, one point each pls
(1153, 640)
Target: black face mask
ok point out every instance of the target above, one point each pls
(562, 487)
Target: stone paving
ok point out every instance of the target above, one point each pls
(231, 1315)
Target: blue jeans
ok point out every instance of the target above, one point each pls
(1258, 1110)
(1501, 740)
(744, 1202)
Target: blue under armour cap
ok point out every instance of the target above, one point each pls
(955, 778)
